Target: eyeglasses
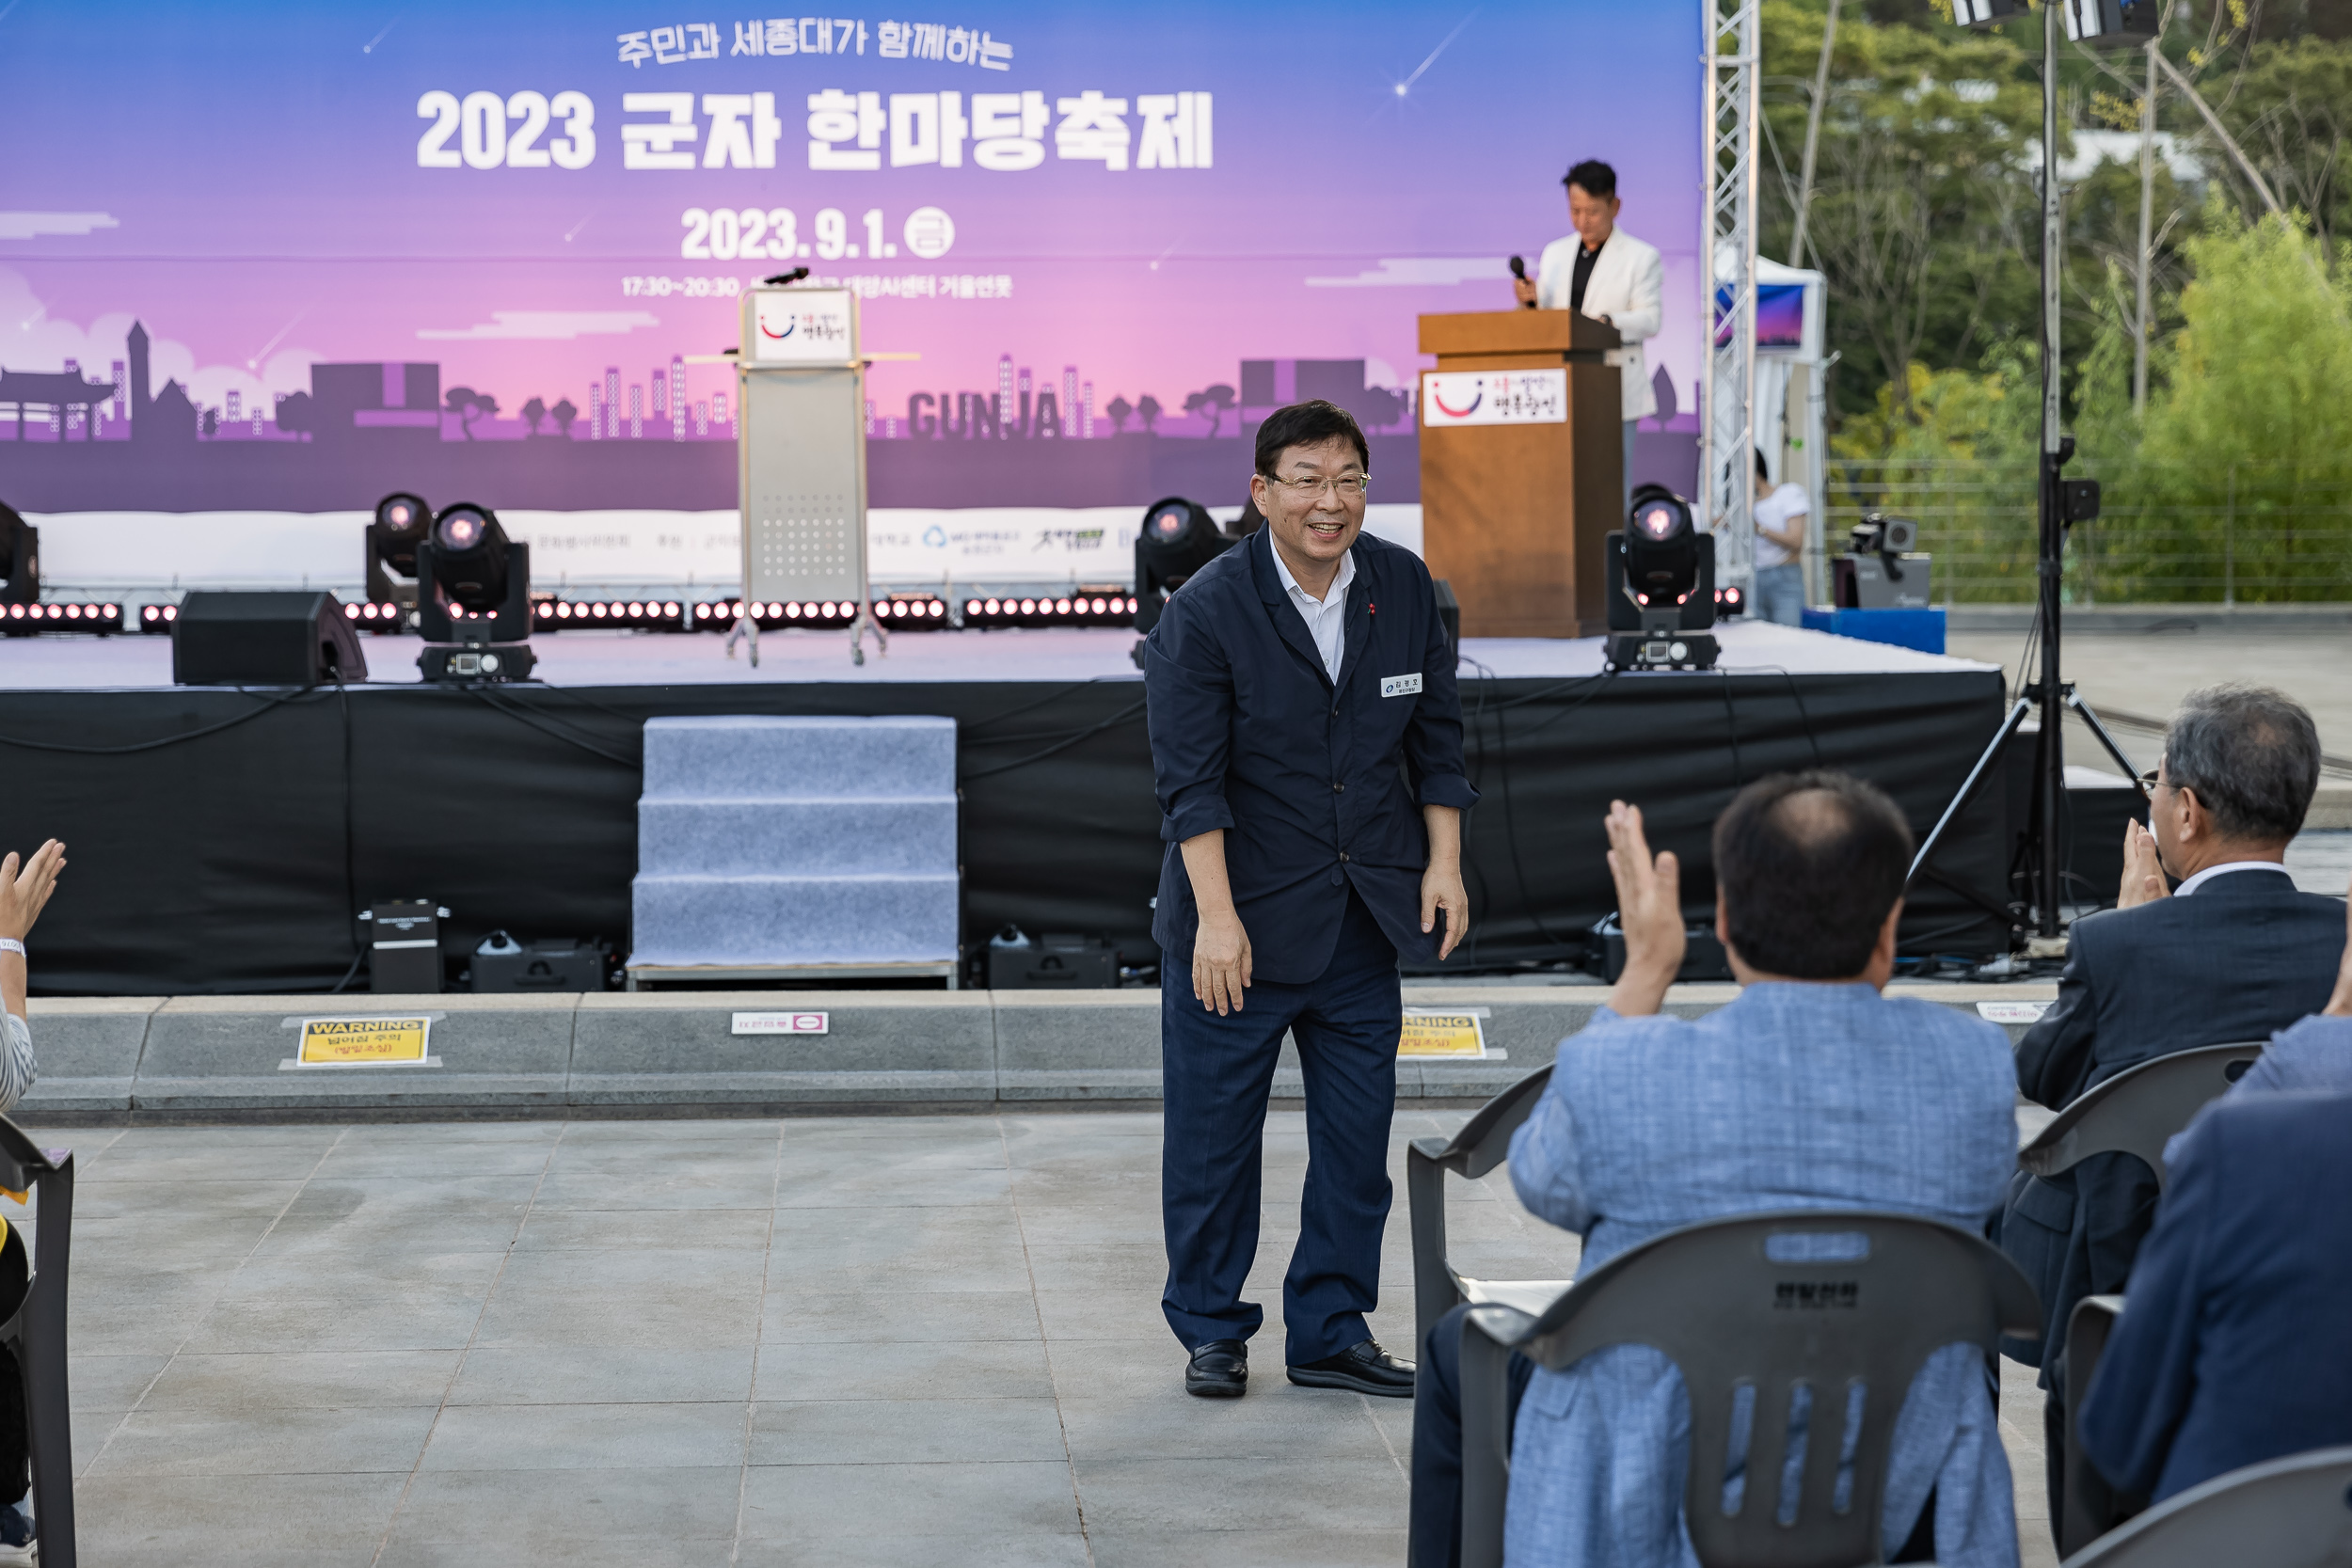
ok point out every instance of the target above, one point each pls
(2148, 782)
(1350, 486)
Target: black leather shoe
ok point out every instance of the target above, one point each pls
(1219, 1371)
(1364, 1367)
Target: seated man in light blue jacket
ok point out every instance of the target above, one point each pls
(1810, 1091)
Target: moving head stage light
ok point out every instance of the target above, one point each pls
(473, 598)
(1179, 538)
(19, 564)
(1660, 587)
(402, 522)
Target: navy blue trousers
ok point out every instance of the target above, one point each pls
(1217, 1072)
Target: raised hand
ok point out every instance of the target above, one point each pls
(1650, 912)
(25, 891)
(2143, 873)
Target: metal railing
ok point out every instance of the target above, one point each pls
(2167, 533)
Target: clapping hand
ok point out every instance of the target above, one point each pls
(2143, 873)
(23, 892)
(1650, 912)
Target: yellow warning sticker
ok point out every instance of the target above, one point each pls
(1429, 1034)
(351, 1041)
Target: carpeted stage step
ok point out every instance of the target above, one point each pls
(747, 921)
(714, 837)
(770, 757)
(777, 841)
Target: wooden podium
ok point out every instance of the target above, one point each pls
(1514, 512)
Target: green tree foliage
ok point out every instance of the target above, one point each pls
(1924, 218)
(1922, 215)
(2291, 110)
(2240, 478)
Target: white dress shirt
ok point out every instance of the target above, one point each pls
(2224, 869)
(1326, 617)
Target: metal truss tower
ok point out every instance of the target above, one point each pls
(1728, 285)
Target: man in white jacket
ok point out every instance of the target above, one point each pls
(1609, 276)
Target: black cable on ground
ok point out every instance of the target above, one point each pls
(578, 696)
(351, 873)
(1053, 696)
(1731, 726)
(168, 740)
(1132, 710)
(549, 729)
(1472, 871)
(1943, 932)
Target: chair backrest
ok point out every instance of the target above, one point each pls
(2293, 1512)
(1483, 1143)
(38, 1335)
(2089, 1503)
(1797, 1334)
(2139, 1110)
(21, 1161)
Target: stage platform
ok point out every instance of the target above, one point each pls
(51, 663)
(221, 839)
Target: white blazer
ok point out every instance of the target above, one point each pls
(1628, 285)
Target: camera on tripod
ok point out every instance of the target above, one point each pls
(1882, 568)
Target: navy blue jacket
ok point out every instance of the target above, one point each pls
(1318, 786)
(2232, 1349)
(2243, 956)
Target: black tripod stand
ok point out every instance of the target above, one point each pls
(2060, 503)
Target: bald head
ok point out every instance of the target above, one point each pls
(1809, 865)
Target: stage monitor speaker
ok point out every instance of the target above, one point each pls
(404, 957)
(283, 638)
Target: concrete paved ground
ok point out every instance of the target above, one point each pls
(859, 1342)
(2146, 674)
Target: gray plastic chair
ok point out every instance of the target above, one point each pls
(36, 1335)
(2089, 1505)
(2139, 1110)
(1483, 1143)
(2293, 1512)
(1714, 1301)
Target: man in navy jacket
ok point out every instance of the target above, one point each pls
(2234, 952)
(2231, 1348)
(1307, 752)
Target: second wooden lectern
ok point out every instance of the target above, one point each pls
(1521, 468)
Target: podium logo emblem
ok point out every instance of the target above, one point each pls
(1493, 397)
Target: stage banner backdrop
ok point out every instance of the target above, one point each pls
(280, 257)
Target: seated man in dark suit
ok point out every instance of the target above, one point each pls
(2234, 952)
(2314, 1052)
(2231, 1349)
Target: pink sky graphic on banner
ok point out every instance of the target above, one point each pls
(532, 196)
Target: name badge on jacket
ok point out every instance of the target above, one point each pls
(1400, 685)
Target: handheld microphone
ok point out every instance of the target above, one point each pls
(1518, 270)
